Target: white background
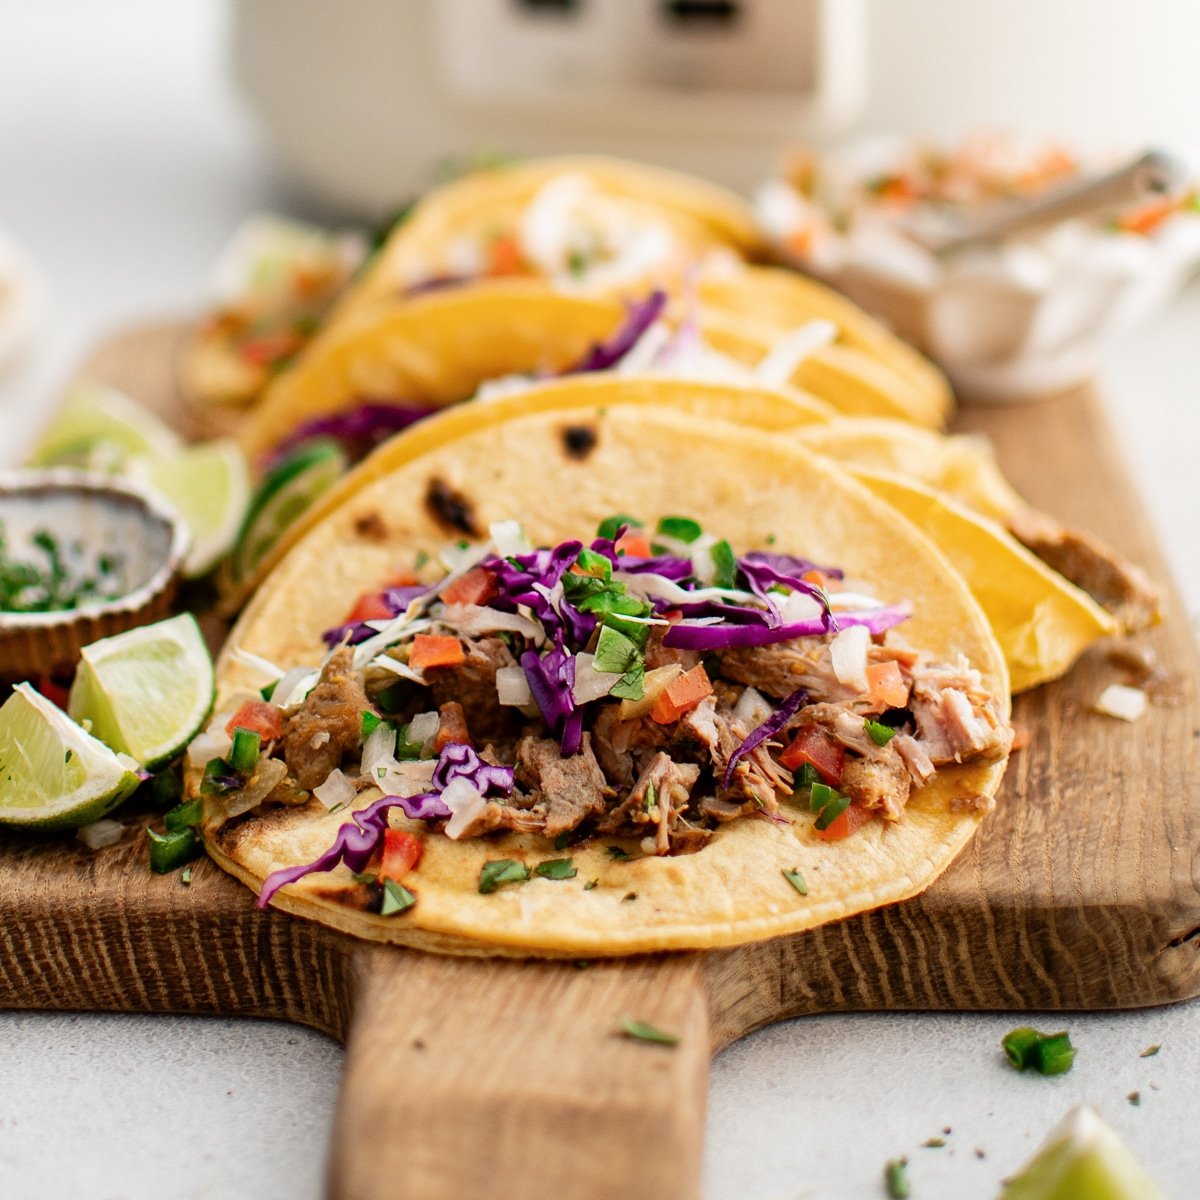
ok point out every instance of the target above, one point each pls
(125, 161)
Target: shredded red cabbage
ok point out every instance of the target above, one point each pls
(359, 430)
(604, 355)
(551, 678)
(772, 725)
(683, 636)
(358, 840)
(760, 572)
(396, 598)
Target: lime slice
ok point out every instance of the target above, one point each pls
(209, 486)
(1083, 1157)
(99, 427)
(146, 692)
(53, 775)
(288, 490)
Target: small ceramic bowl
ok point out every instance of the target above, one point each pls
(89, 517)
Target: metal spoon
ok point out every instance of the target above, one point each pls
(1155, 172)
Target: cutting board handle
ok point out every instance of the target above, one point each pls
(467, 1078)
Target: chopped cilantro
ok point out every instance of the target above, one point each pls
(396, 898)
(591, 883)
(501, 870)
(642, 1031)
(611, 526)
(618, 853)
(370, 722)
(683, 529)
(797, 881)
(556, 868)
(724, 564)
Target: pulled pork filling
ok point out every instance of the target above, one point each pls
(647, 686)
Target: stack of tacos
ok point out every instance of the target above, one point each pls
(692, 627)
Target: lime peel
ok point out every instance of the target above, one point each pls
(1082, 1157)
(53, 774)
(148, 691)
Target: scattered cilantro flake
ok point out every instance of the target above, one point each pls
(1134, 1098)
(396, 898)
(556, 868)
(591, 883)
(641, 1031)
(610, 526)
(629, 896)
(67, 756)
(895, 1179)
(186, 877)
(878, 733)
(619, 854)
(1151, 1051)
(797, 881)
(683, 529)
(501, 870)
(934, 1143)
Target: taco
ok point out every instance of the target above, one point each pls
(964, 467)
(773, 705)
(400, 365)
(588, 224)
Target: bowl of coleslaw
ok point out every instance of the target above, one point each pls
(1010, 321)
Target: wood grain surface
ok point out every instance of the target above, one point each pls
(1081, 891)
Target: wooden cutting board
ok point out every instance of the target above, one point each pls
(1082, 891)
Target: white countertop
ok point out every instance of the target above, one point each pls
(124, 164)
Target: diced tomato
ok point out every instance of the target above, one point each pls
(634, 544)
(886, 684)
(259, 717)
(477, 586)
(673, 615)
(452, 726)
(844, 824)
(430, 650)
(817, 579)
(505, 256)
(681, 696)
(813, 745)
(401, 852)
(370, 606)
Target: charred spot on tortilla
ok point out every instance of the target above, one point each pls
(362, 897)
(579, 440)
(450, 509)
(371, 526)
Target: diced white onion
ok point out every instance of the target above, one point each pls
(799, 606)
(1125, 703)
(751, 709)
(99, 834)
(408, 778)
(336, 789)
(512, 687)
(848, 651)
(423, 728)
(591, 684)
(206, 746)
(465, 803)
(380, 744)
(458, 560)
(509, 538)
(475, 618)
(792, 349)
(654, 683)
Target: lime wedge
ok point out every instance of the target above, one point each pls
(287, 491)
(53, 775)
(146, 692)
(1083, 1159)
(99, 427)
(209, 486)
